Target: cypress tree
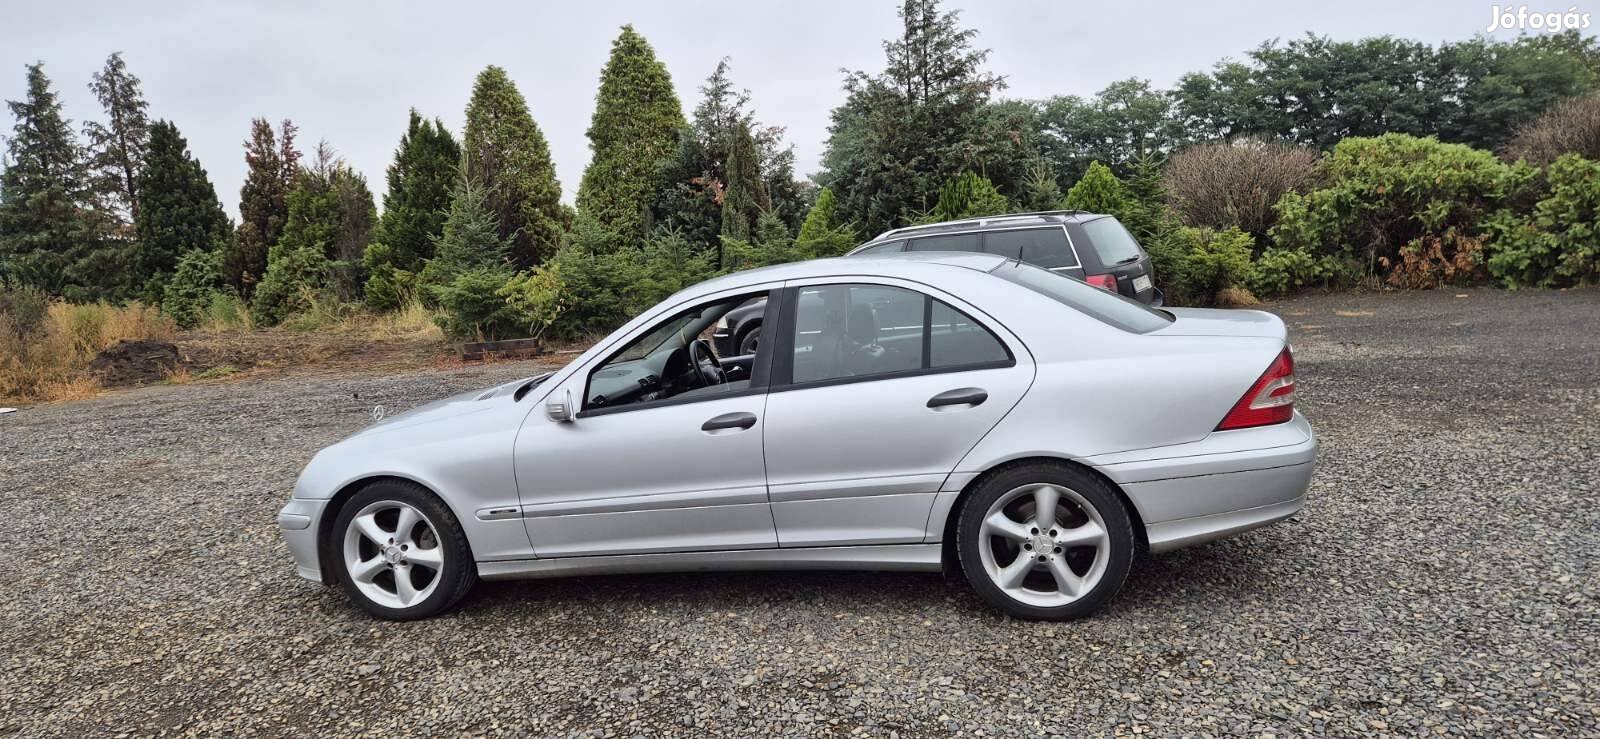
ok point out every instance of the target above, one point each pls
(117, 147)
(635, 124)
(511, 161)
(273, 166)
(746, 197)
(178, 211)
(414, 208)
(1098, 192)
(44, 197)
(330, 219)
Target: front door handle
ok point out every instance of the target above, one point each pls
(730, 421)
(959, 396)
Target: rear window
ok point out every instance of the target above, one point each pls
(1102, 305)
(1111, 241)
(1046, 247)
(884, 248)
(952, 242)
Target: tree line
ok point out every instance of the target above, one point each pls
(1248, 175)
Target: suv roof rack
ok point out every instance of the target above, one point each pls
(981, 221)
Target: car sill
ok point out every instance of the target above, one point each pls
(896, 557)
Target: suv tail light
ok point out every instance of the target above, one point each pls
(1270, 400)
(1104, 282)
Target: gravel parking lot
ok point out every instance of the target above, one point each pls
(1442, 580)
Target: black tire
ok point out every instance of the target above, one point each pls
(749, 339)
(1119, 530)
(457, 575)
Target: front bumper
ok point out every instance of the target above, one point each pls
(1228, 483)
(299, 522)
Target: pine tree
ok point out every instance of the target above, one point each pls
(1040, 191)
(901, 134)
(822, 235)
(511, 160)
(45, 223)
(1098, 192)
(178, 211)
(746, 196)
(273, 166)
(635, 124)
(330, 220)
(969, 196)
(117, 147)
(471, 264)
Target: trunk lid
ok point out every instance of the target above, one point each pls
(1223, 322)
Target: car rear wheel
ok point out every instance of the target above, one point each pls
(401, 554)
(750, 341)
(1045, 541)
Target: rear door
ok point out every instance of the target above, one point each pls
(1114, 251)
(881, 387)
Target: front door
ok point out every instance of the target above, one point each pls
(883, 390)
(664, 456)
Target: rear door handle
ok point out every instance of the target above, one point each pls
(730, 421)
(959, 396)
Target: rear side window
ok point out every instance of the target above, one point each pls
(862, 331)
(1111, 241)
(955, 340)
(951, 242)
(884, 248)
(1046, 247)
(1101, 305)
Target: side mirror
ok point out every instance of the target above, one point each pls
(559, 409)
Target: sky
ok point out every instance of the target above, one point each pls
(347, 72)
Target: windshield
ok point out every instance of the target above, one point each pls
(1111, 241)
(1102, 305)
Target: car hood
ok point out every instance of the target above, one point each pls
(472, 401)
(1223, 322)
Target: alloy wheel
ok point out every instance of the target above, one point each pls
(392, 553)
(1044, 545)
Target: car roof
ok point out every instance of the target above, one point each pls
(1008, 220)
(897, 264)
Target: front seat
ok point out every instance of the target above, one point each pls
(861, 332)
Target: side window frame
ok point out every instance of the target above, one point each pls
(782, 369)
(760, 369)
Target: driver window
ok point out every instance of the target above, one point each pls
(673, 359)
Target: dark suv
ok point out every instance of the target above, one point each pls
(1092, 247)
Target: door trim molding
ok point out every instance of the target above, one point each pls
(643, 503)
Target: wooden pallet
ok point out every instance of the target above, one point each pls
(508, 349)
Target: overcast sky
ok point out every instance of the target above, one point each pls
(347, 72)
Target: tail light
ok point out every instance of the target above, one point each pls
(1104, 282)
(1270, 400)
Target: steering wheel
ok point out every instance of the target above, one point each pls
(706, 369)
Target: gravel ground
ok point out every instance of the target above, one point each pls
(1442, 579)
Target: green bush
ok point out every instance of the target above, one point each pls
(968, 195)
(1407, 208)
(1560, 243)
(388, 287)
(1198, 263)
(295, 275)
(537, 296)
(472, 306)
(1098, 192)
(1278, 271)
(194, 284)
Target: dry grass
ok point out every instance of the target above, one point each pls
(1236, 297)
(43, 356)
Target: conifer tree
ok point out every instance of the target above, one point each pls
(45, 222)
(635, 124)
(117, 147)
(822, 235)
(178, 211)
(273, 166)
(425, 167)
(330, 219)
(511, 161)
(746, 198)
(1098, 192)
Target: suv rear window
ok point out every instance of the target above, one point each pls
(1046, 247)
(1101, 305)
(951, 242)
(1111, 241)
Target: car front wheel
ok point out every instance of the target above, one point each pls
(1045, 541)
(401, 553)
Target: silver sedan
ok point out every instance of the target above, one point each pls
(906, 412)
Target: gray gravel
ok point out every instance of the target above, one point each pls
(1442, 579)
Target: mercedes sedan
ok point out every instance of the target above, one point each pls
(915, 411)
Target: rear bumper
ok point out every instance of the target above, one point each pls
(298, 522)
(1227, 483)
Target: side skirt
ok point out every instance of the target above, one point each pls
(896, 557)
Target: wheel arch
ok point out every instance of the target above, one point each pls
(947, 548)
(330, 515)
